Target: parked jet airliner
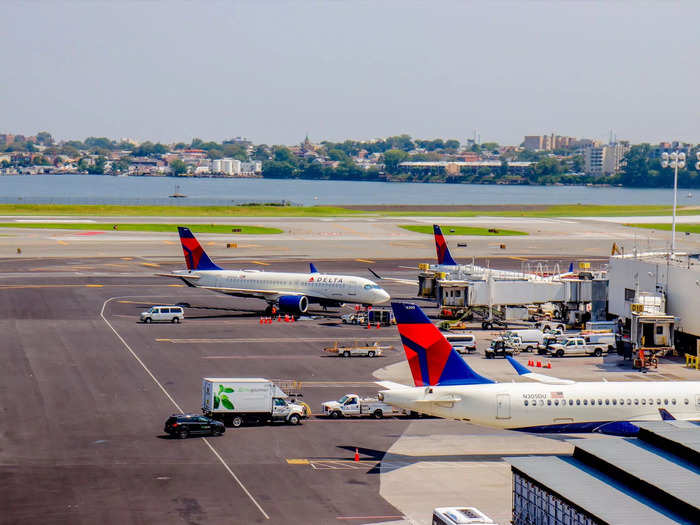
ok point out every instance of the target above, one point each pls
(447, 263)
(446, 386)
(290, 292)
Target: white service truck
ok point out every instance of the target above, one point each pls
(237, 400)
(523, 340)
(577, 346)
(354, 405)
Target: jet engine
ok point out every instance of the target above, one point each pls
(293, 304)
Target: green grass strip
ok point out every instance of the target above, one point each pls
(562, 210)
(173, 211)
(132, 227)
(690, 228)
(461, 230)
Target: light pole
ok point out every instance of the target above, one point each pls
(676, 160)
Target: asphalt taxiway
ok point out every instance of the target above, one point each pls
(85, 390)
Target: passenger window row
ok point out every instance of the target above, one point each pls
(600, 402)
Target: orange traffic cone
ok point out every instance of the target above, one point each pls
(357, 455)
(292, 319)
(286, 318)
(530, 363)
(549, 365)
(261, 320)
(379, 325)
(539, 364)
(279, 318)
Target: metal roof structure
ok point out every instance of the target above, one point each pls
(589, 491)
(653, 478)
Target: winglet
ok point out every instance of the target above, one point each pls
(195, 256)
(430, 356)
(312, 268)
(443, 252)
(666, 415)
(571, 268)
(520, 369)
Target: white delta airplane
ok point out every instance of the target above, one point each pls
(446, 386)
(289, 292)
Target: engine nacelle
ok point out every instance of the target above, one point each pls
(293, 304)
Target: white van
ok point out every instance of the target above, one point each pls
(462, 343)
(171, 314)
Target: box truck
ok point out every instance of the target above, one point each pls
(238, 400)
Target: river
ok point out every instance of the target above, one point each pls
(101, 189)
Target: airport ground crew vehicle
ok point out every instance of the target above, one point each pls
(354, 405)
(239, 400)
(355, 350)
(577, 346)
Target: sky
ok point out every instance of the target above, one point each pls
(274, 71)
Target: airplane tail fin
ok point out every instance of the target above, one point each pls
(195, 256)
(443, 252)
(430, 356)
(571, 268)
(312, 268)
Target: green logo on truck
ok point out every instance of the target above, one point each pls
(222, 398)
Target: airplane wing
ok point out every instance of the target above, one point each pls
(411, 282)
(541, 378)
(268, 295)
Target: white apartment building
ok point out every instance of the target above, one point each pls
(604, 160)
(229, 167)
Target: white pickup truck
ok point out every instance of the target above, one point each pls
(577, 346)
(354, 405)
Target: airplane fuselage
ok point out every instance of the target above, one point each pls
(579, 407)
(271, 285)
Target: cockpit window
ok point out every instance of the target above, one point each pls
(372, 287)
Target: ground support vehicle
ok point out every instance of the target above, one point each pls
(548, 325)
(463, 343)
(577, 346)
(185, 425)
(163, 314)
(357, 349)
(550, 339)
(241, 400)
(354, 405)
(600, 338)
(499, 348)
(354, 318)
(524, 340)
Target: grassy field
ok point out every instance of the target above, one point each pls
(460, 230)
(130, 227)
(562, 210)
(690, 228)
(108, 210)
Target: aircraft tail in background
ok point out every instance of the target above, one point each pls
(443, 252)
(430, 356)
(195, 256)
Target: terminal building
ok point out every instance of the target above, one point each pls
(652, 479)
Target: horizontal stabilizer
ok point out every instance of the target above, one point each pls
(178, 276)
(540, 378)
(390, 385)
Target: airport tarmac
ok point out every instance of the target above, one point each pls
(344, 237)
(87, 390)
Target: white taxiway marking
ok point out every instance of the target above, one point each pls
(167, 394)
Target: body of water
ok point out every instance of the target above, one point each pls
(100, 189)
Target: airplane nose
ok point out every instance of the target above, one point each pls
(383, 296)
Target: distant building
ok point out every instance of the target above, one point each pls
(463, 168)
(230, 167)
(604, 160)
(251, 168)
(534, 142)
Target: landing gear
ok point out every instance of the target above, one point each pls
(270, 310)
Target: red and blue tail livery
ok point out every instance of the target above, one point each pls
(195, 256)
(443, 253)
(430, 356)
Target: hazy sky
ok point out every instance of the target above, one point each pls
(275, 70)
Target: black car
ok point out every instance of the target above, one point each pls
(184, 425)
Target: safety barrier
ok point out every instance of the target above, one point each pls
(692, 361)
